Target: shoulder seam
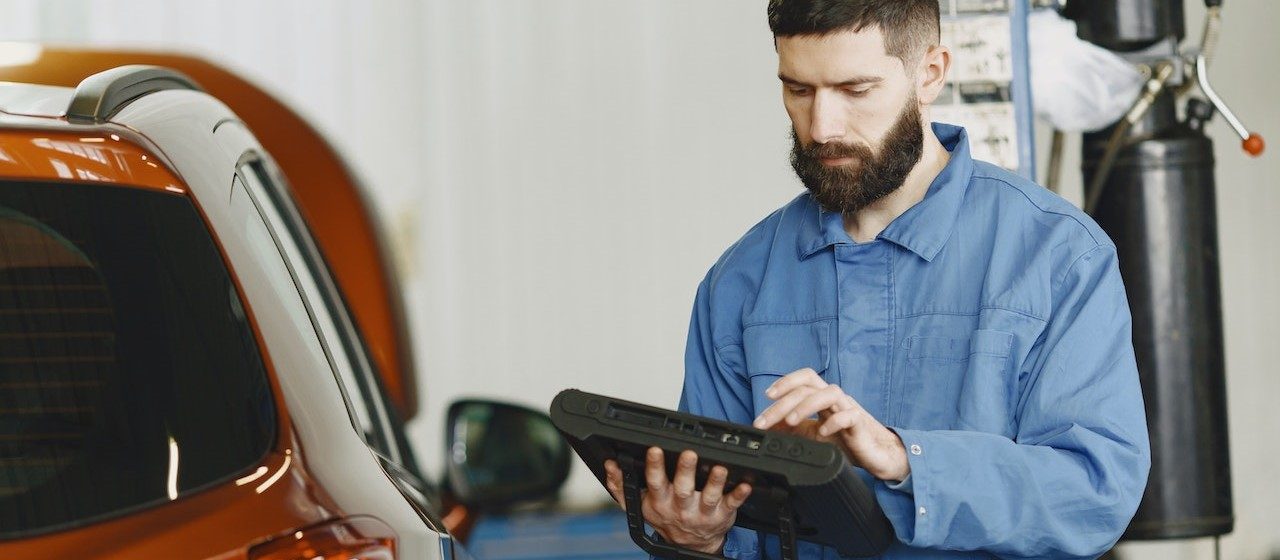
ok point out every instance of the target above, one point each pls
(1094, 238)
(1067, 272)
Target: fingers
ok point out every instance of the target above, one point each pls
(683, 485)
(788, 391)
(842, 420)
(655, 474)
(680, 493)
(831, 398)
(735, 499)
(783, 407)
(713, 491)
(613, 481)
(681, 513)
(798, 378)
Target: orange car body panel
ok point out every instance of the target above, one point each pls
(276, 496)
(89, 157)
(326, 192)
(223, 522)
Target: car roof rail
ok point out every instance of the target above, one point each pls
(101, 95)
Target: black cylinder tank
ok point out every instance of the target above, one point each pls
(1158, 207)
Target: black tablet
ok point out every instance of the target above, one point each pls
(801, 489)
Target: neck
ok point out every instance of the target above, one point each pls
(865, 224)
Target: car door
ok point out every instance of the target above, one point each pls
(366, 400)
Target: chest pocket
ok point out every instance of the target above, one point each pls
(972, 375)
(773, 350)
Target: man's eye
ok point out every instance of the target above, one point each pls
(798, 91)
(857, 92)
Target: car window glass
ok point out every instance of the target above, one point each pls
(129, 373)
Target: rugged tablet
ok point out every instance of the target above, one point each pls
(801, 489)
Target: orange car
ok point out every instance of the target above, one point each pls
(192, 364)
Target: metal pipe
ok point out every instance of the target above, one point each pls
(1251, 142)
(1202, 77)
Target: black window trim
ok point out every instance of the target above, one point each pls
(390, 439)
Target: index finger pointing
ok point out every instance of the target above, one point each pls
(798, 378)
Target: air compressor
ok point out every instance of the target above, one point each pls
(1149, 182)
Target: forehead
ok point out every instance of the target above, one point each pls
(836, 57)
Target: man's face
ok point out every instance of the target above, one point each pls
(855, 116)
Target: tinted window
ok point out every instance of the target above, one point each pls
(129, 375)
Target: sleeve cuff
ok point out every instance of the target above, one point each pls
(903, 485)
(741, 544)
(907, 503)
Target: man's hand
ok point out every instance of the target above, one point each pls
(682, 515)
(841, 420)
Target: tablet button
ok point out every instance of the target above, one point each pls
(795, 450)
(593, 406)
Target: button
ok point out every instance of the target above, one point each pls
(593, 406)
(795, 450)
(773, 446)
(923, 511)
(915, 449)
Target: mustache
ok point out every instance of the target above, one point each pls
(836, 150)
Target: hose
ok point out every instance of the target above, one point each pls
(1055, 161)
(1099, 180)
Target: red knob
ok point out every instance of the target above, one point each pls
(1254, 144)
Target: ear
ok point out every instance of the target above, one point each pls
(931, 74)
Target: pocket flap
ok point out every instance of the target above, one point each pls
(779, 349)
(958, 349)
(938, 348)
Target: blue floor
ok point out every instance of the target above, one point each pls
(535, 536)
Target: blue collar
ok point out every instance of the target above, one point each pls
(924, 228)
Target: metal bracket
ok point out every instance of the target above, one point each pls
(786, 529)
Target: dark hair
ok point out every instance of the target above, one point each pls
(909, 26)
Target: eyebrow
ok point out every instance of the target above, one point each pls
(855, 81)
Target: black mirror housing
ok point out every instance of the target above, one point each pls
(500, 454)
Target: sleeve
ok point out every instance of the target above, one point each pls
(716, 387)
(1069, 482)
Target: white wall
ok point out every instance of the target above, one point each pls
(559, 174)
(592, 161)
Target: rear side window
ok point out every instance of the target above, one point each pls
(129, 375)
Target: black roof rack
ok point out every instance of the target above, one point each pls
(101, 95)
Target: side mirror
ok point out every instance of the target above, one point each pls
(500, 454)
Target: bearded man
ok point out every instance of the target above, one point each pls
(959, 332)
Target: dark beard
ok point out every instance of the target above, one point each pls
(849, 188)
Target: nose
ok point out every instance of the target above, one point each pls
(827, 124)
